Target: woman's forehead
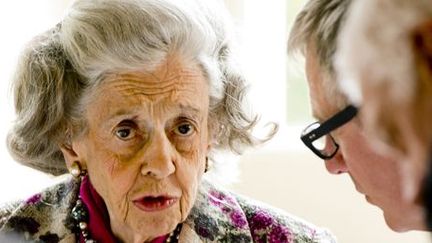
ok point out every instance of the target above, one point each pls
(174, 76)
(171, 73)
(179, 91)
(147, 110)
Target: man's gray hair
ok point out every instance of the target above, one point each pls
(97, 38)
(376, 46)
(379, 62)
(318, 24)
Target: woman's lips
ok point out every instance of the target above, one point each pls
(155, 203)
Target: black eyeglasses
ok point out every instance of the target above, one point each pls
(317, 136)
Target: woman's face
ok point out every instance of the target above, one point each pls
(146, 147)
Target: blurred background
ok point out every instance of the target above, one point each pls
(282, 173)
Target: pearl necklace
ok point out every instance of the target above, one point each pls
(80, 215)
(174, 235)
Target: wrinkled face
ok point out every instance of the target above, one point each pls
(146, 146)
(376, 176)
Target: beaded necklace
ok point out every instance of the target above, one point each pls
(80, 212)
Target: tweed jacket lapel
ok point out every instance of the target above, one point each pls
(216, 217)
(45, 217)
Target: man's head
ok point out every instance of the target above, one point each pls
(385, 59)
(376, 176)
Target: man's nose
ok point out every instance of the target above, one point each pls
(336, 165)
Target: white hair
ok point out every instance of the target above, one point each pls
(375, 47)
(318, 24)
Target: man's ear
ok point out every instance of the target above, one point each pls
(422, 105)
(422, 46)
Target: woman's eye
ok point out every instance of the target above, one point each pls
(125, 133)
(184, 129)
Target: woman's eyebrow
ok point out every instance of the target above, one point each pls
(119, 115)
(190, 109)
(131, 114)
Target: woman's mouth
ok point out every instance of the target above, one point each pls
(155, 203)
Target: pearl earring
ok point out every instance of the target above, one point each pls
(76, 170)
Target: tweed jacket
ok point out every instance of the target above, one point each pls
(218, 215)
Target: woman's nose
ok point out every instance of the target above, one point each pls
(336, 165)
(158, 157)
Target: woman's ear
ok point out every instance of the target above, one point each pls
(70, 154)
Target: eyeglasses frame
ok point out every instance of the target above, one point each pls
(331, 124)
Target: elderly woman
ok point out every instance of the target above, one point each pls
(132, 98)
(384, 62)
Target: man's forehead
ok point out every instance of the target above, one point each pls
(322, 108)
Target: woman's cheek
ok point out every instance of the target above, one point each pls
(111, 175)
(188, 199)
(189, 173)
